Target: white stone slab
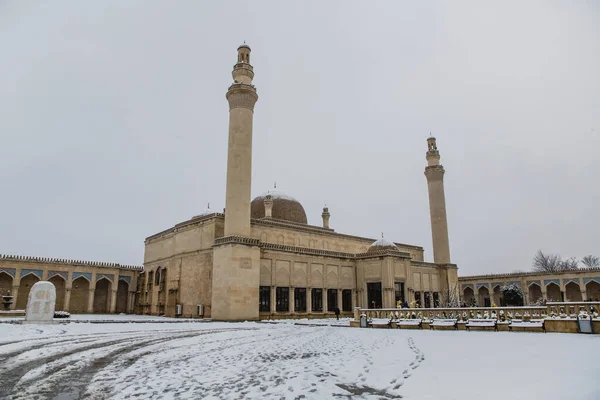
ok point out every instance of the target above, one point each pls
(41, 303)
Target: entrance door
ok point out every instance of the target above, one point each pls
(374, 294)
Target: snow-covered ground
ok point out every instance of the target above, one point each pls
(284, 360)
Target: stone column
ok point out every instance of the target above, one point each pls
(584, 294)
(90, 308)
(130, 300)
(431, 302)
(325, 300)
(273, 299)
(68, 298)
(339, 299)
(309, 300)
(14, 293)
(113, 302)
(292, 303)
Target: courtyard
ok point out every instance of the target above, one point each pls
(159, 359)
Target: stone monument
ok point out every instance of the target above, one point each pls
(41, 303)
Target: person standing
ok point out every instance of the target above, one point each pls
(337, 313)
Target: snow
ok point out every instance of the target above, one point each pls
(288, 359)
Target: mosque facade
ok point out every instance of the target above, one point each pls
(261, 259)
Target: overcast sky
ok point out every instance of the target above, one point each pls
(113, 121)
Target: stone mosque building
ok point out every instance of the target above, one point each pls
(260, 258)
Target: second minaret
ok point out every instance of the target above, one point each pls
(437, 204)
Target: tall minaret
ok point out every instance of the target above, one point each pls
(236, 255)
(242, 97)
(437, 204)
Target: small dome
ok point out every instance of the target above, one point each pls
(244, 46)
(382, 244)
(285, 207)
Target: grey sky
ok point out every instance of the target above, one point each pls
(113, 121)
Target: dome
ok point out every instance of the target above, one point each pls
(382, 244)
(285, 207)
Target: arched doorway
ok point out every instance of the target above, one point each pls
(122, 289)
(102, 296)
(469, 296)
(6, 282)
(553, 292)
(80, 292)
(535, 293)
(573, 292)
(498, 295)
(592, 289)
(484, 296)
(59, 283)
(24, 288)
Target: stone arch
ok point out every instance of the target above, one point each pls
(280, 239)
(553, 292)
(316, 279)
(498, 295)
(573, 292)
(468, 295)
(297, 242)
(535, 293)
(60, 285)
(263, 237)
(311, 243)
(325, 245)
(24, 287)
(6, 283)
(102, 296)
(484, 296)
(122, 289)
(592, 289)
(80, 292)
(282, 277)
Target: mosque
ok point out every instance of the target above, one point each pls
(260, 258)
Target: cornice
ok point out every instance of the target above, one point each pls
(62, 261)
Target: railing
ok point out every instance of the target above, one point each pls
(551, 309)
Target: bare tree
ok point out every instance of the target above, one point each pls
(450, 297)
(570, 263)
(591, 261)
(543, 262)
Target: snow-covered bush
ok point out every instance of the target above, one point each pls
(61, 314)
(513, 295)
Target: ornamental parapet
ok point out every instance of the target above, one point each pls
(63, 261)
(234, 239)
(306, 250)
(382, 253)
(241, 95)
(577, 271)
(434, 172)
